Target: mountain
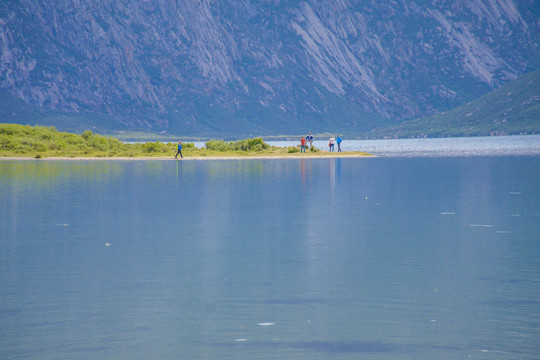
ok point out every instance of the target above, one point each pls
(513, 109)
(256, 66)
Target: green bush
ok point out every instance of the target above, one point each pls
(7, 142)
(8, 130)
(73, 139)
(151, 147)
(256, 144)
(292, 149)
(217, 145)
(57, 145)
(98, 143)
(47, 133)
(87, 134)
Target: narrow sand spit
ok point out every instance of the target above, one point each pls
(247, 157)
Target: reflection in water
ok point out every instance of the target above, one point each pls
(303, 170)
(224, 168)
(36, 175)
(345, 257)
(332, 173)
(178, 170)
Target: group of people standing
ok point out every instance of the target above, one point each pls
(337, 140)
(303, 141)
(309, 138)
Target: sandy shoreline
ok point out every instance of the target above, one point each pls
(247, 157)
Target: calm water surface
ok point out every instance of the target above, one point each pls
(459, 146)
(379, 258)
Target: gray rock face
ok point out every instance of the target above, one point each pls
(262, 66)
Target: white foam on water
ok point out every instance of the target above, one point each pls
(514, 193)
(66, 225)
(266, 324)
(107, 244)
(480, 225)
(515, 215)
(240, 340)
(503, 232)
(448, 213)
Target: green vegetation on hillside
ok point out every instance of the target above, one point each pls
(41, 142)
(511, 110)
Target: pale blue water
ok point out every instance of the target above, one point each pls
(377, 258)
(459, 146)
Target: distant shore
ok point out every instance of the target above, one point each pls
(190, 158)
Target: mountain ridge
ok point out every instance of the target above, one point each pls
(513, 109)
(218, 67)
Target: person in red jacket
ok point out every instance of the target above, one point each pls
(302, 145)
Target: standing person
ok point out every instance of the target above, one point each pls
(331, 144)
(302, 145)
(310, 139)
(179, 149)
(339, 140)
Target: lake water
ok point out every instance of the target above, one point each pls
(464, 146)
(374, 258)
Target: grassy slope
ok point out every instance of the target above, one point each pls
(40, 141)
(14, 110)
(513, 109)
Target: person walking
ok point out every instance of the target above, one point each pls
(331, 144)
(338, 141)
(310, 139)
(302, 145)
(179, 149)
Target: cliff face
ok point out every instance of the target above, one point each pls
(257, 66)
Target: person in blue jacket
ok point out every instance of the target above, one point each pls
(338, 141)
(309, 138)
(179, 149)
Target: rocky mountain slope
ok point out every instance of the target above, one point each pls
(513, 109)
(256, 66)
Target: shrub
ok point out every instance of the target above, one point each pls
(256, 144)
(87, 134)
(8, 130)
(57, 145)
(39, 146)
(292, 149)
(217, 145)
(7, 142)
(98, 142)
(73, 139)
(46, 133)
(151, 147)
